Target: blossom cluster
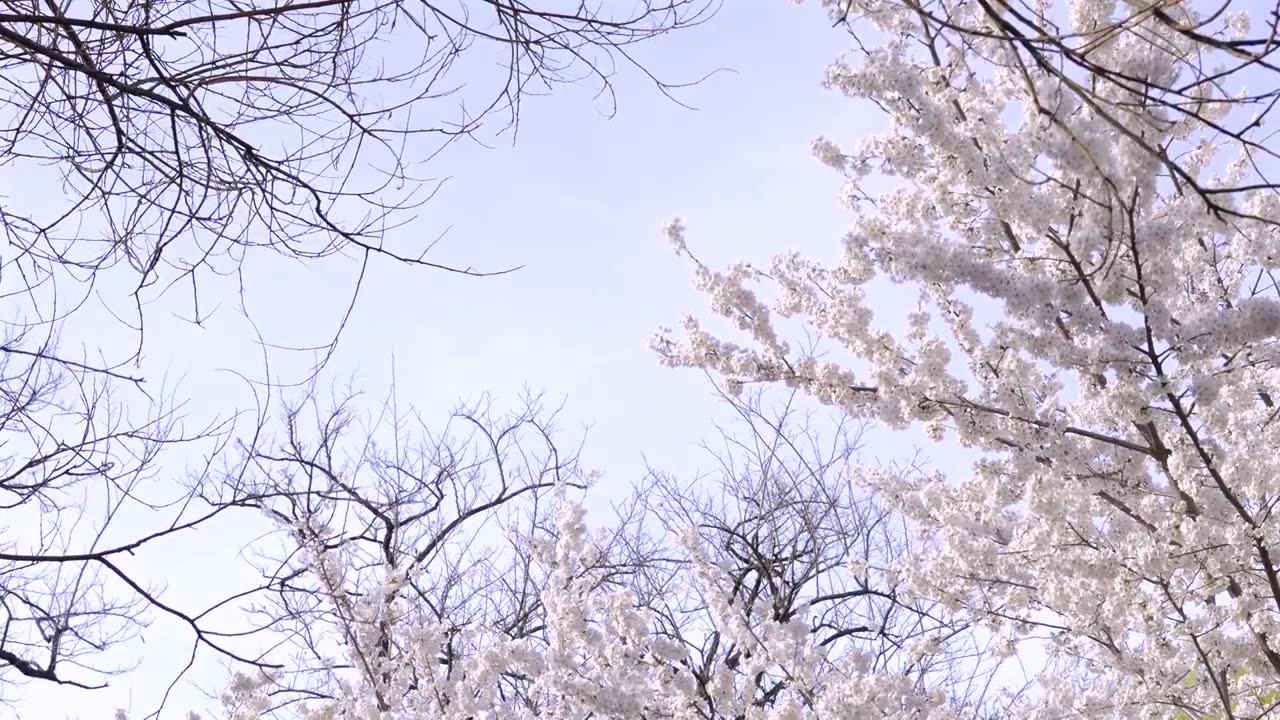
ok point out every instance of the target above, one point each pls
(1078, 193)
(601, 656)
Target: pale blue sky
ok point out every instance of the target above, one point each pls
(578, 202)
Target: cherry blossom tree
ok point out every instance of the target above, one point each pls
(453, 574)
(1078, 193)
(790, 536)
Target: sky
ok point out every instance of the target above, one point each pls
(578, 202)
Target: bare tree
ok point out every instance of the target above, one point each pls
(187, 133)
(170, 141)
(80, 471)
